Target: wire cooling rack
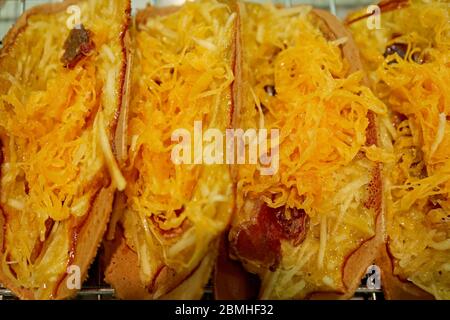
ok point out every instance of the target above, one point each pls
(95, 288)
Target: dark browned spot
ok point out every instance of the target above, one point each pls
(401, 49)
(371, 131)
(261, 240)
(292, 223)
(396, 48)
(174, 232)
(270, 90)
(397, 118)
(77, 46)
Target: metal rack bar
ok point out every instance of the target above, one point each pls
(101, 293)
(332, 6)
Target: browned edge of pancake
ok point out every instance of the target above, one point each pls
(86, 237)
(356, 263)
(121, 263)
(123, 273)
(394, 287)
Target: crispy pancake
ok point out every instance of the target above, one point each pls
(61, 92)
(312, 229)
(164, 241)
(408, 67)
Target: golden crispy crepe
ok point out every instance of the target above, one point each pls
(60, 93)
(164, 235)
(311, 229)
(408, 61)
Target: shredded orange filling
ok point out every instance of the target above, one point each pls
(182, 73)
(55, 128)
(297, 81)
